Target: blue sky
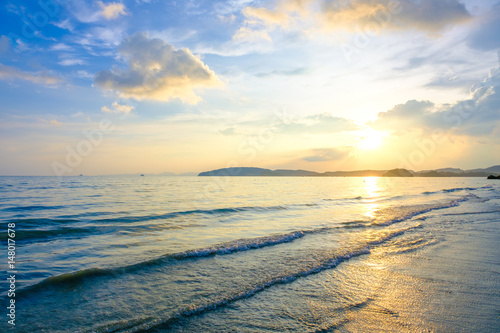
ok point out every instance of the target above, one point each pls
(104, 87)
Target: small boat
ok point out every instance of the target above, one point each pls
(142, 175)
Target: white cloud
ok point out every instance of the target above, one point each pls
(65, 24)
(157, 71)
(84, 74)
(71, 62)
(477, 116)
(60, 47)
(123, 108)
(118, 108)
(13, 73)
(87, 12)
(112, 10)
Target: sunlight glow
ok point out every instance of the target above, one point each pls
(371, 139)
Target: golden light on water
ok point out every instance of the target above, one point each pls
(372, 188)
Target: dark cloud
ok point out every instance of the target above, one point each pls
(486, 36)
(431, 15)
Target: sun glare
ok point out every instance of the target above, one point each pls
(371, 139)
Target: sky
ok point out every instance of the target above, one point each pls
(145, 86)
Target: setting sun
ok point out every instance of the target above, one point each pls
(371, 139)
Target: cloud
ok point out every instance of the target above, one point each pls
(112, 10)
(324, 155)
(424, 15)
(12, 73)
(266, 15)
(118, 108)
(4, 44)
(320, 124)
(157, 71)
(60, 47)
(477, 116)
(71, 62)
(247, 34)
(230, 6)
(289, 72)
(92, 12)
(230, 131)
(65, 24)
(485, 36)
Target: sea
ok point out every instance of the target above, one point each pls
(250, 254)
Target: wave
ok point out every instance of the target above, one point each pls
(170, 215)
(408, 212)
(23, 235)
(196, 309)
(473, 213)
(41, 221)
(456, 189)
(347, 199)
(217, 303)
(239, 245)
(30, 208)
(31, 225)
(459, 189)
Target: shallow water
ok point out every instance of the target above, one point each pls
(197, 254)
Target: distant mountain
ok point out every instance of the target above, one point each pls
(294, 173)
(238, 172)
(454, 170)
(493, 169)
(359, 173)
(398, 173)
(260, 172)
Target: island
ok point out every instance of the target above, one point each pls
(493, 171)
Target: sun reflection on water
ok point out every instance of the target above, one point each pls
(372, 189)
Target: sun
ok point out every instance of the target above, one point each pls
(370, 139)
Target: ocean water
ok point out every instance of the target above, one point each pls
(203, 254)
